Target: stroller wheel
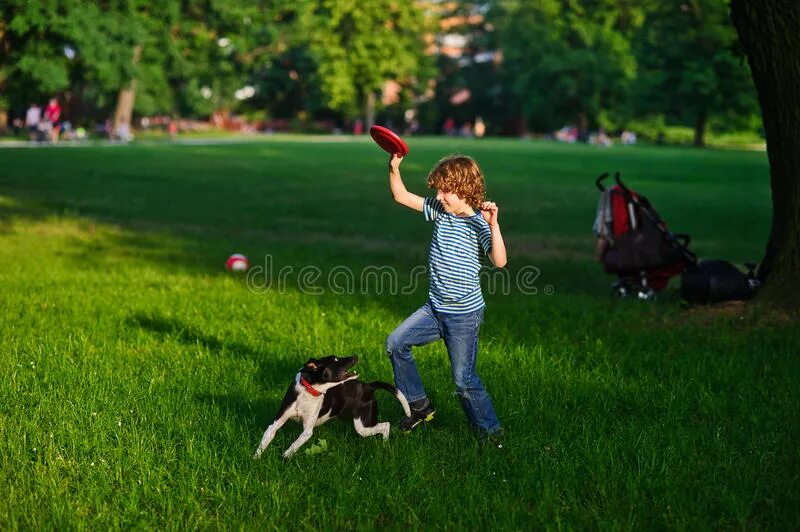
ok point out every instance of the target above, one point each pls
(646, 293)
(620, 289)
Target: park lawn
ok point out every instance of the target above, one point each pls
(137, 376)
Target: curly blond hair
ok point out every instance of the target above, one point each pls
(461, 176)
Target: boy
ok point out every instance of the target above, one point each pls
(454, 310)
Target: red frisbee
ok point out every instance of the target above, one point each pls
(388, 140)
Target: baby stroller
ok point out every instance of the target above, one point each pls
(634, 243)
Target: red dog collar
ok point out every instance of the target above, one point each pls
(308, 387)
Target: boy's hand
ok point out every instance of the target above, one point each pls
(394, 162)
(489, 212)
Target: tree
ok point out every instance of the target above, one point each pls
(358, 46)
(290, 86)
(5, 70)
(194, 56)
(71, 47)
(33, 63)
(688, 67)
(567, 61)
(218, 50)
(770, 35)
(468, 84)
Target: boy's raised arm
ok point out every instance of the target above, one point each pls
(399, 192)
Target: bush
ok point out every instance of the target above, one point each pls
(649, 128)
(678, 135)
(736, 138)
(653, 128)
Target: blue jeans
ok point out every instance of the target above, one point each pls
(460, 334)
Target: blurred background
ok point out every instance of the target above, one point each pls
(600, 71)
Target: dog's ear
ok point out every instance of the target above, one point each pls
(312, 364)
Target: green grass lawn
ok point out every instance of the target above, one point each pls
(137, 376)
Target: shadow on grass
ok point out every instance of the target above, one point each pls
(183, 206)
(273, 370)
(274, 373)
(186, 334)
(253, 416)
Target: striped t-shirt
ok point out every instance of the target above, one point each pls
(454, 258)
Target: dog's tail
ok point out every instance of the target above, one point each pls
(397, 393)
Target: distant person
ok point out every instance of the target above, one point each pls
(219, 119)
(66, 131)
(465, 228)
(18, 125)
(124, 131)
(52, 116)
(358, 127)
(449, 127)
(628, 138)
(568, 134)
(466, 129)
(172, 128)
(600, 139)
(33, 118)
(480, 127)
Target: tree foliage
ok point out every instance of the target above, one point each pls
(49, 46)
(593, 63)
(567, 61)
(358, 46)
(689, 65)
(217, 48)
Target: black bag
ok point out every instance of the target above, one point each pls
(713, 281)
(640, 249)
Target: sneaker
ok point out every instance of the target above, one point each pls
(496, 438)
(417, 417)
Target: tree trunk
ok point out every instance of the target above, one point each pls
(700, 122)
(583, 127)
(770, 34)
(370, 109)
(127, 96)
(521, 126)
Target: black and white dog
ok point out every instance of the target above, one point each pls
(324, 389)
